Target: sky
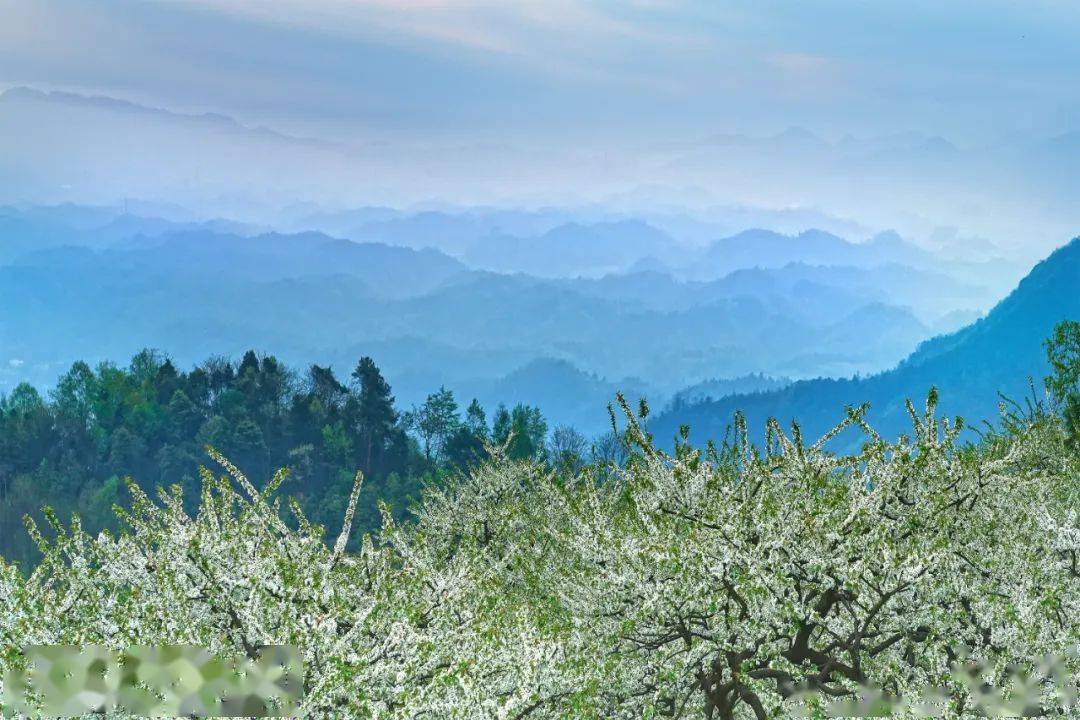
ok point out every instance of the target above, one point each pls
(546, 71)
(935, 118)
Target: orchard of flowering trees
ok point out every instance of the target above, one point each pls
(728, 582)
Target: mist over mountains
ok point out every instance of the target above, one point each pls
(98, 283)
(66, 147)
(998, 359)
(131, 226)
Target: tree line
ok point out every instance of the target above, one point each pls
(71, 448)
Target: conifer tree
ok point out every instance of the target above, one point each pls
(375, 414)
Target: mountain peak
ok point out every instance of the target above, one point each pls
(105, 102)
(21, 92)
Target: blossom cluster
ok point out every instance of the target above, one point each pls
(733, 582)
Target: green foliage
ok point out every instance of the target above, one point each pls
(151, 422)
(521, 431)
(435, 422)
(1063, 353)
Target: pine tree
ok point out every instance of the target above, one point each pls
(375, 416)
(476, 420)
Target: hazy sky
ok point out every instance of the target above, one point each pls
(548, 70)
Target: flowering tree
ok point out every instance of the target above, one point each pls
(231, 579)
(726, 584)
(718, 584)
(729, 582)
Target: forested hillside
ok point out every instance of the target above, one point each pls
(151, 421)
(998, 356)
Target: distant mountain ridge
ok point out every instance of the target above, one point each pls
(57, 146)
(564, 392)
(757, 248)
(716, 388)
(1000, 353)
(307, 297)
(817, 293)
(573, 249)
(390, 271)
(24, 94)
(63, 146)
(99, 284)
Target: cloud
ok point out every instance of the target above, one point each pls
(535, 69)
(567, 50)
(521, 27)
